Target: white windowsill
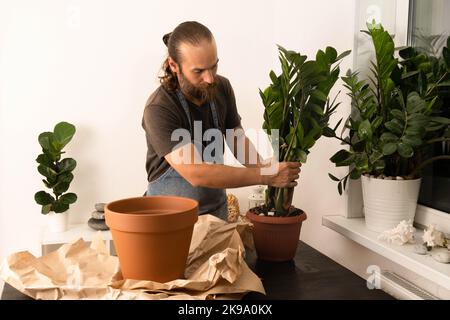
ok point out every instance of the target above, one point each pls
(426, 216)
(423, 265)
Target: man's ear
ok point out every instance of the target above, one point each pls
(173, 65)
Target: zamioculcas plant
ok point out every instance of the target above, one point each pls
(296, 104)
(57, 172)
(396, 113)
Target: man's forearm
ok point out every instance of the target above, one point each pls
(223, 176)
(250, 157)
(188, 163)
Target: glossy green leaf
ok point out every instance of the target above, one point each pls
(65, 177)
(43, 198)
(405, 150)
(46, 208)
(45, 160)
(67, 165)
(328, 132)
(345, 182)
(68, 198)
(394, 127)
(379, 166)
(412, 141)
(273, 77)
(389, 148)
(60, 207)
(45, 140)
(340, 188)
(400, 115)
(343, 55)
(332, 177)
(362, 164)
(301, 155)
(61, 187)
(388, 137)
(409, 74)
(355, 174)
(47, 172)
(377, 122)
(342, 158)
(365, 130)
(415, 103)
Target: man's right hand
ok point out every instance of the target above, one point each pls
(286, 175)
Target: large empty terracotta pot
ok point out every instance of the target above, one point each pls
(152, 235)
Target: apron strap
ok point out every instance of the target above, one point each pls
(185, 106)
(199, 144)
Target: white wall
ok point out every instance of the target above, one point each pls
(94, 63)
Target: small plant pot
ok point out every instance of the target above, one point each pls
(57, 222)
(152, 235)
(387, 202)
(276, 238)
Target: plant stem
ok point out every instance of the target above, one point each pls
(290, 142)
(427, 162)
(343, 140)
(283, 127)
(437, 140)
(283, 200)
(436, 84)
(295, 128)
(270, 197)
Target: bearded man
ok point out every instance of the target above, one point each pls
(192, 96)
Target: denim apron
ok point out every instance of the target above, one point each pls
(211, 201)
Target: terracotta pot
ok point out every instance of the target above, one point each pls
(152, 235)
(276, 238)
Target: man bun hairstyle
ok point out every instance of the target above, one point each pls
(190, 32)
(166, 38)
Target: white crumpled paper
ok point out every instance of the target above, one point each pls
(215, 269)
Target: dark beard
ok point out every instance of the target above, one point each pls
(201, 94)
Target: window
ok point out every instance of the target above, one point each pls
(429, 28)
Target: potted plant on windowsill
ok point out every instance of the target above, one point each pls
(58, 176)
(395, 119)
(298, 109)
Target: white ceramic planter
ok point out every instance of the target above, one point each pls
(58, 222)
(387, 202)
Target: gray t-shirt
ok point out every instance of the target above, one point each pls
(164, 113)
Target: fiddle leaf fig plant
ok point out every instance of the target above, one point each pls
(396, 113)
(57, 171)
(296, 104)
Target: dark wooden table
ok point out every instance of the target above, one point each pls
(311, 275)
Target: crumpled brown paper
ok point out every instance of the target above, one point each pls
(215, 269)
